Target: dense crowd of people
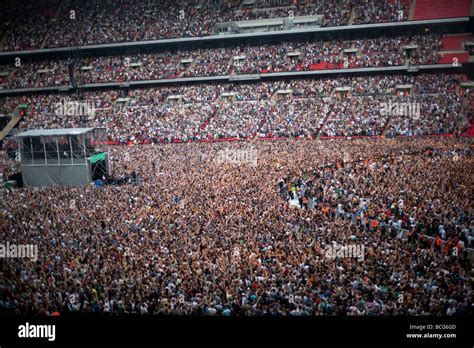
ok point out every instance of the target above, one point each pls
(54, 23)
(298, 108)
(246, 59)
(43, 73)
(374, 11)
(205, 237)
(224, 197)
(352, 189)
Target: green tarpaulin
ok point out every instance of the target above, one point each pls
(98, 157)
(9, 184)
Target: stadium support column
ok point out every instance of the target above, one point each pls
(70, 150)
(70, 68)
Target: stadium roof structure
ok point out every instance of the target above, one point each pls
(54, 132)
